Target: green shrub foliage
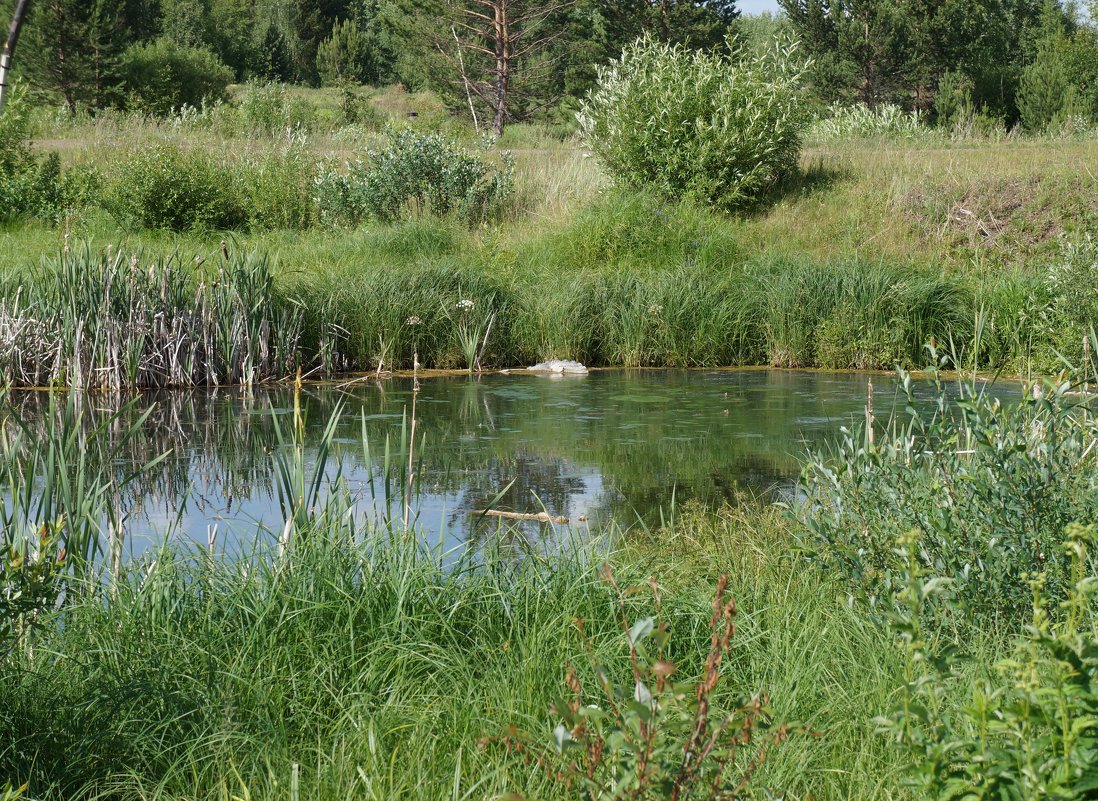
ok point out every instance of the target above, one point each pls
(1026, 728)
(1070, 300)
(166, 187)
(719, 129)
(991, 486)
(160, 76)
(416, 174)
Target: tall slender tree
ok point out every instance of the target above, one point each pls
(76, 47)
(12, 39)
(492, 57)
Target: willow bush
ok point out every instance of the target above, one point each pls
(990, 487)
(416, 175)
(718, 129)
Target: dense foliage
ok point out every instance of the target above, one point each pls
(416, 174)
(717, 129)
(1028, 60)
(164, 186)
(1025, 726)
(986, 63)
(990, 486)
(161, 76)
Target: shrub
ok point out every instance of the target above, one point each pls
(1027, 728)
(417, 174)
(720, 129)
(164, 186)
(267, 108)
(279, 188)
(861, 122)
(29, 581)
(17, 163)
(160, 77)
(990, 486)
(1070, 307)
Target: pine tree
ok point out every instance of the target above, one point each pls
(75, 49)
(1046, 94)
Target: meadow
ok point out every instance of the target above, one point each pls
(875, 246)
(921, 625)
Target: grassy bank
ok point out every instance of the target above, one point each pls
(627, 281)
(214, 684)
(874, 248)
(347, 661)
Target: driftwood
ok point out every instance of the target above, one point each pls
(540, 517)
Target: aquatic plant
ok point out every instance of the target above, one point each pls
(472, 330)
(111, 322)
(322, 663)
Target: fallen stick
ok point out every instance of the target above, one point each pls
(540, 517)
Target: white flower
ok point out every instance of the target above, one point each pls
(413, 320)
(465, 305)
(655, 308)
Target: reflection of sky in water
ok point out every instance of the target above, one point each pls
(618, 445)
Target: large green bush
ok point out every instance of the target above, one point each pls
(1025, 727)
(720, 129)
(990, 486)
(159, 76)
(416, 174)
(166, 187)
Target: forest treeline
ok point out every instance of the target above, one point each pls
(994, 62)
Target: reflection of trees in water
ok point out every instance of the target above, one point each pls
(609, 447)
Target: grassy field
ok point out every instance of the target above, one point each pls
(875, 247)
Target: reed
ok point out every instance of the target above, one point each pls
(111, 322)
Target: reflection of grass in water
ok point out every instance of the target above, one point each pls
(478, 436)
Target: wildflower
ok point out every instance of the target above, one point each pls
(655, 309)
(464, 305)
(413, 320)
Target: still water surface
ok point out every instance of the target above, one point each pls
(620, 446)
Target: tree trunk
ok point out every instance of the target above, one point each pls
(503, 64)
(9, 47)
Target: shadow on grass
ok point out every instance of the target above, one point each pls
(814, 178)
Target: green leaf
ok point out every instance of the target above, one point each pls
(641, 629)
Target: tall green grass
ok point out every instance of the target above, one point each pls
(629, 281)
(364, 667)
(351, 661)
(111, 321)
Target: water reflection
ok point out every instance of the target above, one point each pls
(609, 446)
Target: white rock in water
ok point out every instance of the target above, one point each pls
(558, 367)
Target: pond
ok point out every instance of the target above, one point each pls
(614, 446)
